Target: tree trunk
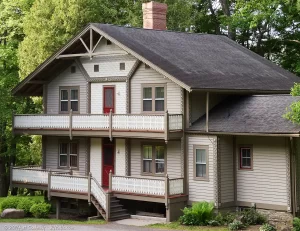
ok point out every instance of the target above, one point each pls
(226, 10)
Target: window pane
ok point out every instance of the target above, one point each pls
(63, 160)
(200, 170)
(64, 94)
(159, 152)
(147, 105)
(122, 66)
(96, 68)
(74, 94)
(147, 93)
(74, 105)
(201, 156)
(147, 152)
(159, 105)
(147, 166)
(63, 148)
(73, 148)
(160, 166)
(73, 161)
(159, 93)
(64, 105)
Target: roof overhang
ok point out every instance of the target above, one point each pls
(244, 134)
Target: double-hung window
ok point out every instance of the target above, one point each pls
(246, 158)
(153, 99)
(153, 159)
(69, 99)
(68, 154)
(201, 162)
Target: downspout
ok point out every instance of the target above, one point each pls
(293, 177)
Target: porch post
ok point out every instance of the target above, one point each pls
(70, 123)
(110, 125)
(89, 188)
(110, 181)
(166, 126)
(167, 191)
(49, 185)
(11, 177)
(57, 208)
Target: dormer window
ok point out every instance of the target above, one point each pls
(96, 68)
(69, 99)
(122, 66)
(73, 69)
(108, 42)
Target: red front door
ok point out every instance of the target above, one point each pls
(108, 99)
(107, 160)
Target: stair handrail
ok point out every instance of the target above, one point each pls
(104, 206)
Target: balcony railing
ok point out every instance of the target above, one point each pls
(164, 123)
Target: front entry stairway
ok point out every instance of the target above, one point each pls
(117, 212)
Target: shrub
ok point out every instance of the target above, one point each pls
(235, 225)
(252, 217)
(41, 210)
(296, 224)
(267, 227)
(225, 219)
(199, 214)
(214, 223)
(25, 204)
(10, 203)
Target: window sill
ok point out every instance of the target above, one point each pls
(245, 169)
(153, 175)
(201, 179)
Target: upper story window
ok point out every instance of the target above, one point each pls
(73, 69)
(153, 98)
(201, 162)
(153, 158)
(68, 154)
(96, 68)
(69, 99)
(246, 160)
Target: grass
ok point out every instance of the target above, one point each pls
(52, 221)
(177, 226)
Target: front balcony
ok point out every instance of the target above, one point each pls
(166, 126)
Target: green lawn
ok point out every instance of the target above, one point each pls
(52, 221)
(178, 226)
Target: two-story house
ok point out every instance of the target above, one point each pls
(165, 118)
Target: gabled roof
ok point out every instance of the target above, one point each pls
(203, 61)
(250, 114)
(194, 61)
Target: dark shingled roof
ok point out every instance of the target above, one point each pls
(250, 114)
(203, 61)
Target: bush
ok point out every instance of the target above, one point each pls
(252, 217)
(296, 224)
(41, 210)
(25, 204)
(10, 203)
(267, 227)
(199, 214)
(235, 225)
(225, 219)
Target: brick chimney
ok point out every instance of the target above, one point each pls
(155, 15)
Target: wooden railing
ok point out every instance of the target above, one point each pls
(146, 186)
(107, 122)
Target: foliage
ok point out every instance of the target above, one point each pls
(296, 224)
(25, 204)
(225, 219)
(199, 214)
(267, 227)
(41, 210)
(252, 217)
(235, 225)
(10, 203)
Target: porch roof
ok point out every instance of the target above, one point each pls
(250, 114)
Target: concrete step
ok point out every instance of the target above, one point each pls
(119, 217)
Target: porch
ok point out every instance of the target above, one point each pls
(165, 126)
(60, 183)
